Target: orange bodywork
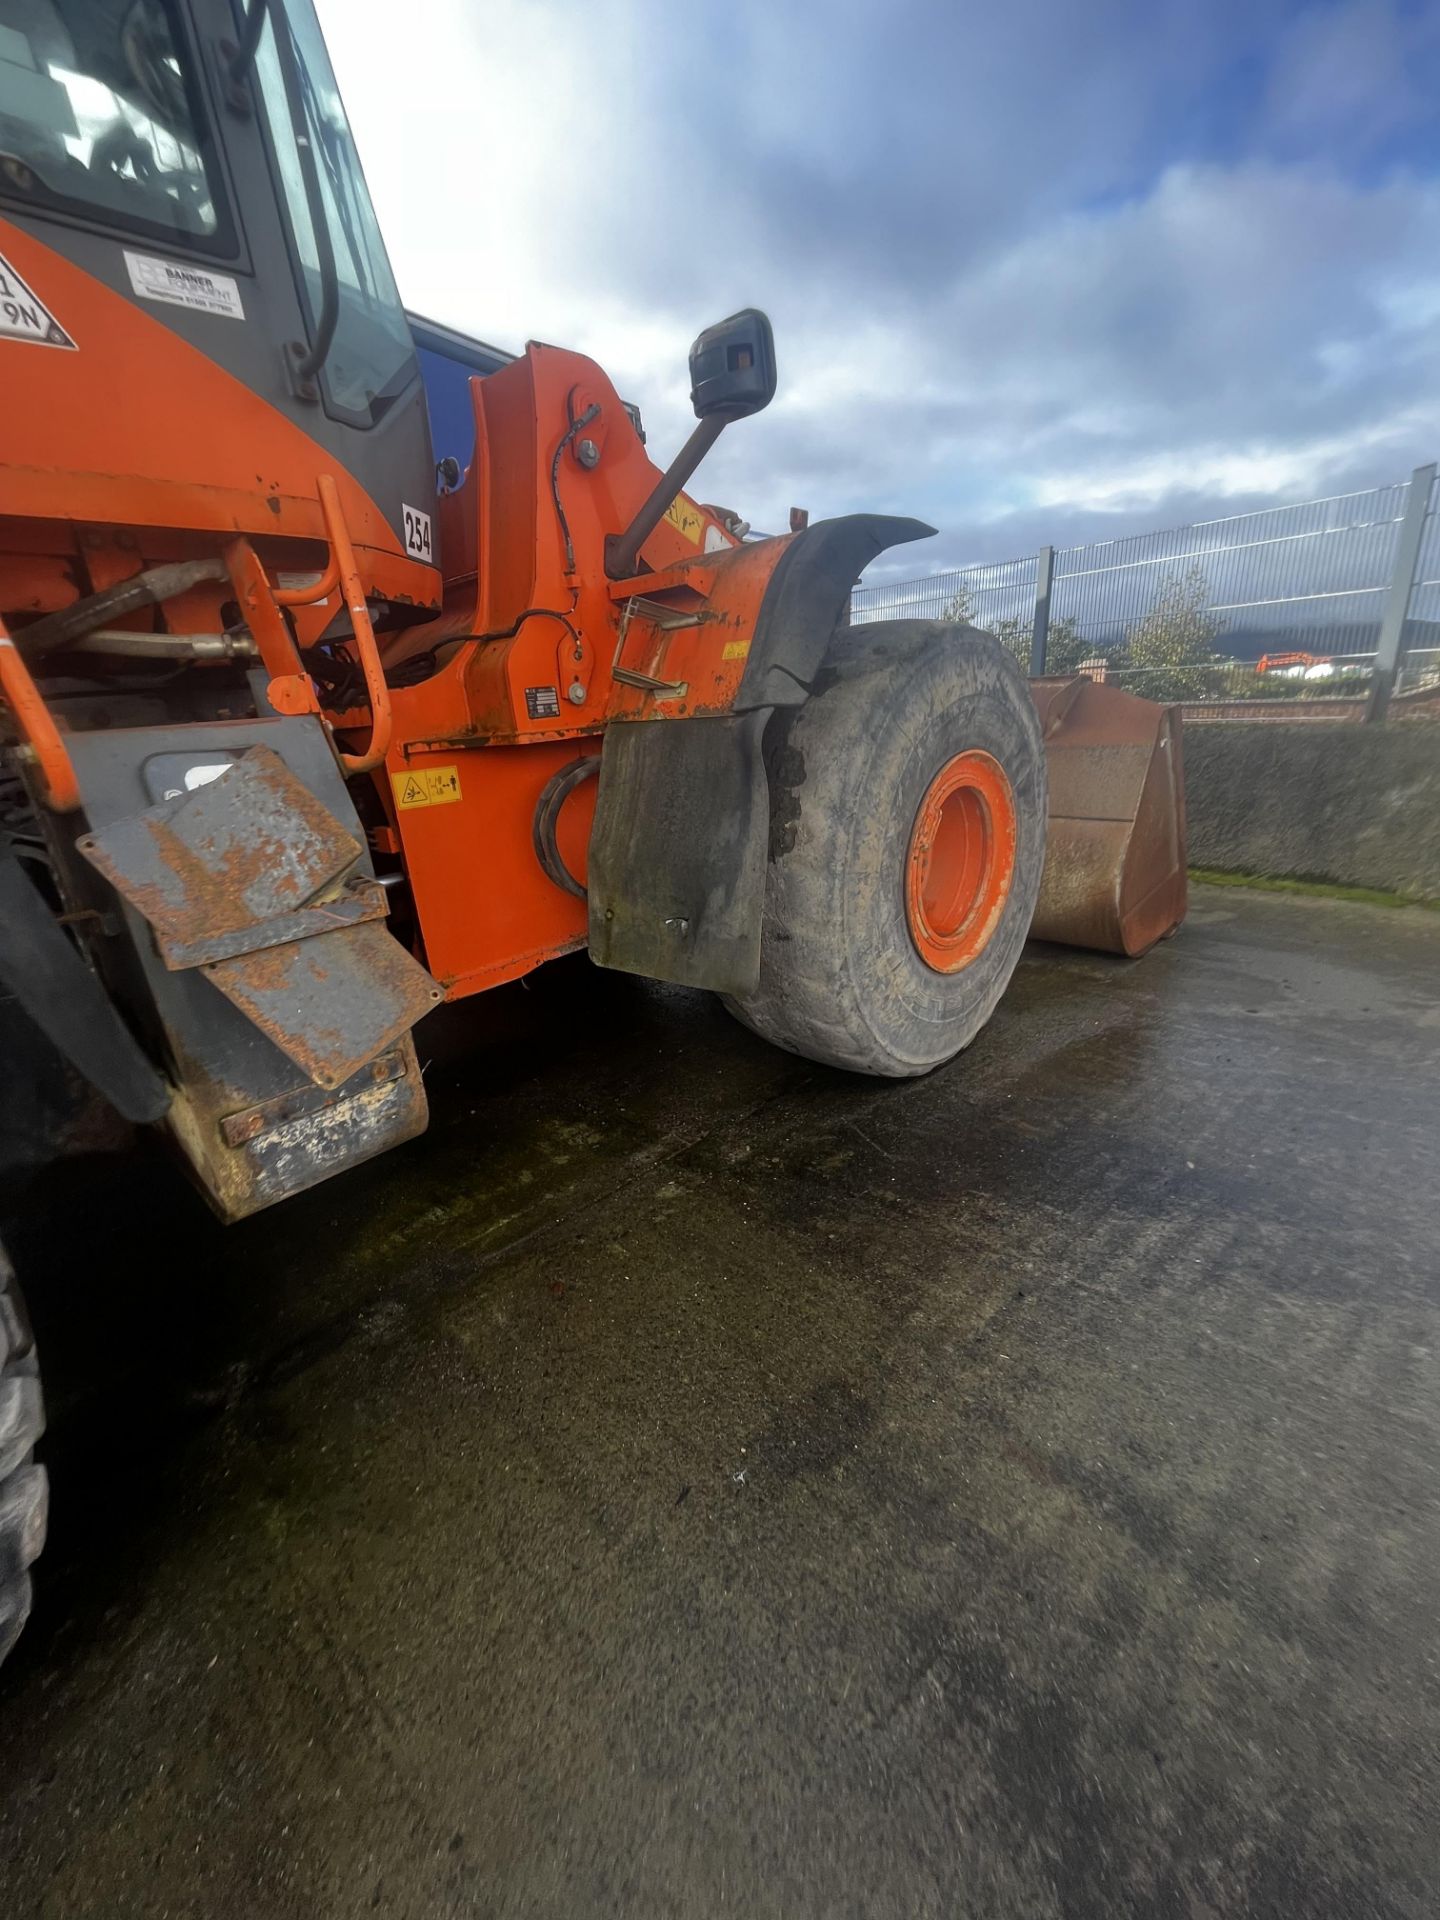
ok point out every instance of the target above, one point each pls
(133, 447)
(506, 712)
(526, 649)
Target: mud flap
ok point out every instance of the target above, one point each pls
(677, 853)
(271, 985)
(682, 822)
(1115, 858)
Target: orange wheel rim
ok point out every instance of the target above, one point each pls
(961, 860)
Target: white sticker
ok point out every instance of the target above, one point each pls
(24, 316)
(201, 776)
(194, 287)
(417, 534)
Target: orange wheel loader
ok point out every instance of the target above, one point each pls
(300, 740)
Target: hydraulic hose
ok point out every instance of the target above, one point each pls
(556, 791)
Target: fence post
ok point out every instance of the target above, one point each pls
(1390, 648)
(1039, 638)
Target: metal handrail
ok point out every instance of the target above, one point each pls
(348, 573)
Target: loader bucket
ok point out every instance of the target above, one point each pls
(1115, 874)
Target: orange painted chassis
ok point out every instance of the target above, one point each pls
(538, 652)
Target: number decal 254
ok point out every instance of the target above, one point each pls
(417, 534)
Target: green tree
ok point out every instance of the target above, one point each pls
(1172, 646)
(1065, 645)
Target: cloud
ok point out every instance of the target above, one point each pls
(1352, 79)
(1038, 272)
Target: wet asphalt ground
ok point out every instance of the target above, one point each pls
(689, 1482)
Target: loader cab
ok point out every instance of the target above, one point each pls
(194, 156)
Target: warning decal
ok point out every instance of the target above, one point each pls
(24, 316)
(426, 787)
(686, 518)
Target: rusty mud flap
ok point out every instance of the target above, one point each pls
(283, 1004)
(1115, 869)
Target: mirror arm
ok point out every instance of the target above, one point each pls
(622, 550)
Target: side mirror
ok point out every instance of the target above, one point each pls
(732, 373)
(732, 367)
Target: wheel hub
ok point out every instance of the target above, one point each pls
(961, 860)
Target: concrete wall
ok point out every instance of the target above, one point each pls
(1355, 805)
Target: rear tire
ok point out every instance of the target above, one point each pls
(871, 958)
(24, 1488)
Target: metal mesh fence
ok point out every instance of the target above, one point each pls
(990, 595)
(1208, 611)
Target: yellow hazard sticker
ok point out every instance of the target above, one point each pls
(735, 650)
(687, 519)
(426, 787)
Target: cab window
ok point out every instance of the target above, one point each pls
(371, 357)
(100, 116)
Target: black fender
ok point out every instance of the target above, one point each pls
(807, 598)
(682, 822)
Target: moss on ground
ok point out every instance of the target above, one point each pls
(1315, 889)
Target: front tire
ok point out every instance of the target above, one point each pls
(907, 841)
(24, 1489)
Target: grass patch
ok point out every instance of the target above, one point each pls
(1313, 889)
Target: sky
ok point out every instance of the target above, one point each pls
(1038, 272)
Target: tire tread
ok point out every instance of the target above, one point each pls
(814, 998)
(24, 1485)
